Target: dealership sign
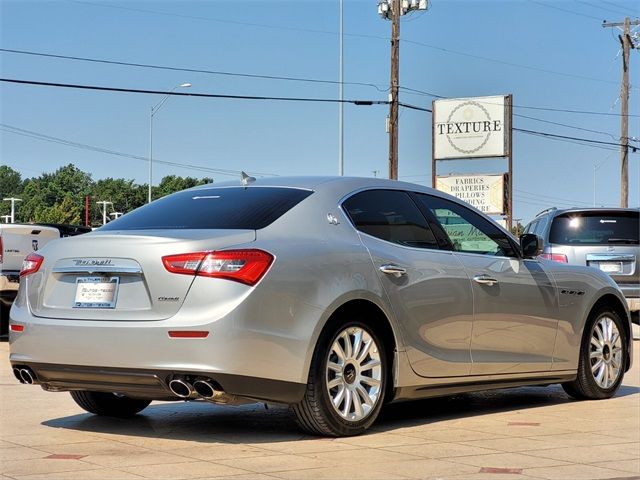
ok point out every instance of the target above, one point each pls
(471, 127)
(484, 192)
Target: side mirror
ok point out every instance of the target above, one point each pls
(531, 245)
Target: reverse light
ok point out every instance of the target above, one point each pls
(244, 266)
(31, 264)
(555, 257)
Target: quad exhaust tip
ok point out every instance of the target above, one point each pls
(181, 388)
(204, 389)
(24, 375)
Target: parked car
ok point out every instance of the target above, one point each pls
(332, 295)
(604, 238)
(16, 242)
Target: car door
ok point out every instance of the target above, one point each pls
(428, 288)
(515, 300)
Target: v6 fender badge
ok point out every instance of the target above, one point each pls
(168, 299)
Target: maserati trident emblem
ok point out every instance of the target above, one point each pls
(34, 245)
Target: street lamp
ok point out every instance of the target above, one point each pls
(13, 201)
(154, 110)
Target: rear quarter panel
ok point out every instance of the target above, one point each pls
(579, 289)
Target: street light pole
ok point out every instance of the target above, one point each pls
(341, 105)
(13, 206)
(154, 110)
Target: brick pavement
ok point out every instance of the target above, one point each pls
(518, 434)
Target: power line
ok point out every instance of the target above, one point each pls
(531, 132)
(330, 32)
(197, 95)
(228, 21)
(48, 138)
(292, 99)
(503, 62)
(565, 10)
(592, 5)
(190, 70)
(621, 12)
(528, 107)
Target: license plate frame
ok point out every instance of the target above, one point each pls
(96, 292)
(611, 267)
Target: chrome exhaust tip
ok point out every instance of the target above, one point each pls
(27, 376)
(180, 388)
(204, 389)
(16, 373)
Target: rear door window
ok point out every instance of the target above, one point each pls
(244, 208)
(596, 228)
(390, 215)
(468, 231)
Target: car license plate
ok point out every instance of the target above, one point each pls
(96, 292)
(611, 267)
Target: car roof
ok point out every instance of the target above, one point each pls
(554, 212)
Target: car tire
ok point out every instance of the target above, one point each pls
(109, 404)
(603, 356)
(347, 381)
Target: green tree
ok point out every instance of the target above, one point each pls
(10, 186)
(124, 194)
(51, 189)
(67, 211)
(172, 183)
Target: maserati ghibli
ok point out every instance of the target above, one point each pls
(331, 295)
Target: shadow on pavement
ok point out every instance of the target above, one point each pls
(207, 423)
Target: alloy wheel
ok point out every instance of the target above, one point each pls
(354, 374)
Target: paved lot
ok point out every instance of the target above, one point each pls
(509, 434)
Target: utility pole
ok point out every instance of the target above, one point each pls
(13, 206)
(393, 10)
(627, 44)
(393, 94)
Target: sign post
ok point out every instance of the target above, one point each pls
(467, 128)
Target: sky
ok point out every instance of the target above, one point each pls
(552, 55)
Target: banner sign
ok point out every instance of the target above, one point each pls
(484, 192)
(471, 127)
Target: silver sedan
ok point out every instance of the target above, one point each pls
(332, 295)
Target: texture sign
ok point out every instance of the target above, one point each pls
(484, 192)
(470, 127)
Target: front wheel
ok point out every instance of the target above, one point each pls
(109, 404)
(347, 381)
(603, 355)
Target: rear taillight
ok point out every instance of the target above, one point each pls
(554, 257)
(244, 266)
(31, 264)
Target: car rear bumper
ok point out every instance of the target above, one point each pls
(254, 348)
(153, 384)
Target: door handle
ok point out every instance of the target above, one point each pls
(391, 269)
(485, 280)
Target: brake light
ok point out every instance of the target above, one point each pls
(244, 266)
(555, 257)
(31, 264)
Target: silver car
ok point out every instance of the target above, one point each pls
(331, 295)
(604, 238)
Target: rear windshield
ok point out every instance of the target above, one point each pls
(595, 228)
(248, 208)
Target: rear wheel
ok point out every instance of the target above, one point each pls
(347, 381)
(109, 404)
(603, 355)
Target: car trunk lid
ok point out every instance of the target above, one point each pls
(120, 276)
